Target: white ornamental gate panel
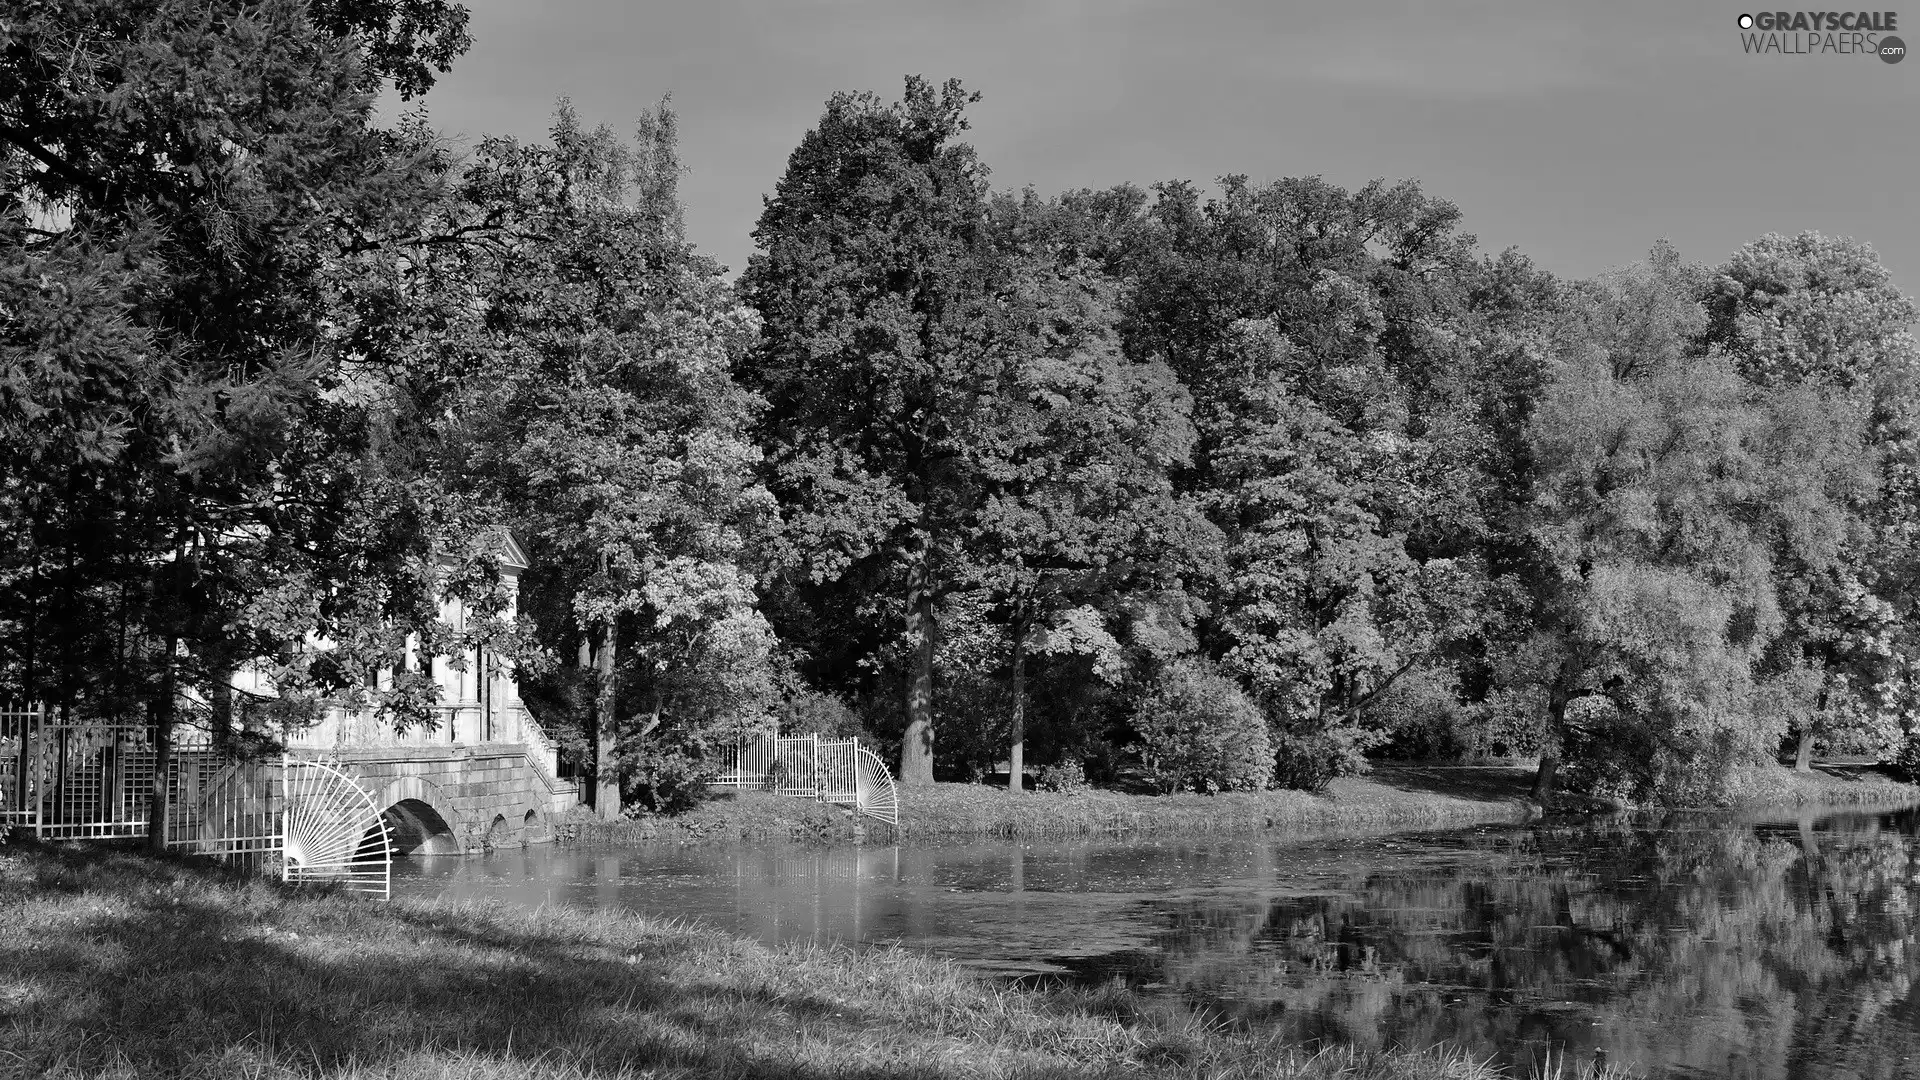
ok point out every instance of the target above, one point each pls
(333, 831)
(311, 815)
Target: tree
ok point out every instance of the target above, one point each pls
(1079, 519)
(1343, 446)
(1667, 488)
(198, 171)
(878, 284)
(606, 425)
(1822, 314)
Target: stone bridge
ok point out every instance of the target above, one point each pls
(483, 776)
(456, 800)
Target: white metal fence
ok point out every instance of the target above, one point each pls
(839, 771)
(73, 778)
(64, 779)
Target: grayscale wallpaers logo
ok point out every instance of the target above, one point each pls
(1829, 33)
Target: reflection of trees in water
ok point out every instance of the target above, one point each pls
(1735, 950)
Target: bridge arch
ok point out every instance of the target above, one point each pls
(533, 825)
(421, 818)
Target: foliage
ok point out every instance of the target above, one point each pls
(666, 777)
(1062, 778)
(875, 285)
(1822, 315)
(1343, 448)
(1199, 729)
(1674, 500)
(605, 423)
(805, 710)
(1311, 761)
(1419, 717)
(193, 189)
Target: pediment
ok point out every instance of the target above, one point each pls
(508, 550)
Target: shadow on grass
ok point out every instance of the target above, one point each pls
(115, 964)
(1486, 783)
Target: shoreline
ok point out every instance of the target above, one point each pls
(950, 812)
(1394, 797)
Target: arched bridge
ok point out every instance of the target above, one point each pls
(474, 783)
(483, 776)
(459, 800)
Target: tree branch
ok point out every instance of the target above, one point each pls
(55, 163)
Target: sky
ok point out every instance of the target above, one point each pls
(1579, 133)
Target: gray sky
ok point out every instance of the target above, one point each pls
(1579, 133)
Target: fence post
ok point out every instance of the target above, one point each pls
(280, 833)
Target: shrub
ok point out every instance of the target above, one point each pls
(1198, 728)
(670, 781)
(807, 711)
(1905, 759)
(1512, 722)
(1419, 717)
(1066, 778)
(1311, 761)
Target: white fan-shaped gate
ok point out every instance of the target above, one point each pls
(312, 816)
(873, 789)
(332, 830)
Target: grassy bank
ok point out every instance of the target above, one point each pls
(1393, 797)
(113, 965)
(1406, 798)
(1826, 785)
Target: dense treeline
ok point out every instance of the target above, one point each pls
(1214, 491)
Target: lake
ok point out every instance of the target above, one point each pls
(1688, 946)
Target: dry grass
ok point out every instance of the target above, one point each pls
(113, 965)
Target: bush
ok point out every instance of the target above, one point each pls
(1905, 760)
(671, 782)
(1198, 728)
(1309, 762)
(1512, 722)
(1420, 718)
(1066, 778)
(812, 712)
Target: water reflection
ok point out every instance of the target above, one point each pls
(1694, 946)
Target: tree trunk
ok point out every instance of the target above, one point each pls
(916, 748)
(1550, 754)
(1543, 778)
(220, 706)
(1803, 760)
(606, 775)
(162, 754)
(1017, 751)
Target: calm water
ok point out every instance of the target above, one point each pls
(1695, 947)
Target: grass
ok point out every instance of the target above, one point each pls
(1827, 785)
(115, 965)
(1392, 798)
